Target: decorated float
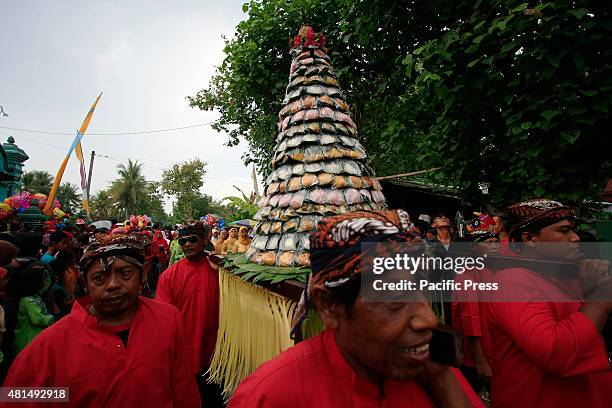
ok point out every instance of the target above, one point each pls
(319, 169)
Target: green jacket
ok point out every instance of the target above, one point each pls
(176, 253)
(31, 320)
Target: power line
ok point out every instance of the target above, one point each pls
(36, 141)
(119, 157)
(47, 132)
(122, 159)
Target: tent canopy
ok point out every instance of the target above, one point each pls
(243, 223)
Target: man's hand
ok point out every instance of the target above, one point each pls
(442, 385)
(593, 272)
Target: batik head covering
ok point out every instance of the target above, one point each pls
(533, 215)
(195, 228)
(335, 248)
(128, 248)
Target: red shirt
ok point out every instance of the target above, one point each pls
(76, 352)
(546, 354)
(466, 314)
(193, 287)
(313, 373)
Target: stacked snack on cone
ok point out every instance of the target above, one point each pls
(319, 165)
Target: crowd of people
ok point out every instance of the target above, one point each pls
(130, 316)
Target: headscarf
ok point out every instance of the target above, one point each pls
(228, 243)
(128, 248)
(533, 215)
(158, 240)
(159, 247)
(335, 248)
(243, 240)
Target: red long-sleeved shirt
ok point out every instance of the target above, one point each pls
(314, 374)
(193, 287)
(546, 354)
(466, 314)
(76, 352)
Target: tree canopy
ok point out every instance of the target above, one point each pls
(69, 196)
(510, 94)
(184, 181)
(129, 189)
(37, 181)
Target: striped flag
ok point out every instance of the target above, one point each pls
(76, 144)
(79, 154)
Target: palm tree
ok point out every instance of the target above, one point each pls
(69, 197)
(129, 190)
(37, 181)
(242, 207)
(102, 205)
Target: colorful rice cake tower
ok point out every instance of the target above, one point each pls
(319, 165)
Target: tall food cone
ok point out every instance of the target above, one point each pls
(319, 165)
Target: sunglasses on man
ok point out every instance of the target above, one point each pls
(192, 239)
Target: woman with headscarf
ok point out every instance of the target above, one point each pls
(229, 242)
(243, 242)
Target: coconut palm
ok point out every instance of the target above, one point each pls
(129, 190)
(69, 197)
(37, 181)
(102, 205)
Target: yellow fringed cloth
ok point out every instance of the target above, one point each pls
(254, 326)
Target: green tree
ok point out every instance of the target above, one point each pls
(183, 181)
(102, 205)
(517, 97)
(496, 91)
(367, 41)
(129, 191)
(37, 181)
(153, 204)
(240, 208)
(69, 197)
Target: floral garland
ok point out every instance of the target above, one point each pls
(308, 38)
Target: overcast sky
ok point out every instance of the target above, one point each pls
(146, 56)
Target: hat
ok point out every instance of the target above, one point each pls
(195, 228)
(336, 253)
(533, 215)
(128, 248)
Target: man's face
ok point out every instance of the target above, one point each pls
(224, 234)
(233, 233)
(192, 245)
(489, 246)
(557, 241)
(115, 290)
(215, 233)
(440, 222)
(386, 340)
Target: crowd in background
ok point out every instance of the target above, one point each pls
(510, 348)
(40, 277)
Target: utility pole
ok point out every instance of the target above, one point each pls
(91, 161)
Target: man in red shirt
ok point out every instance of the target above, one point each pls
(372, 354)
(467, 308)
(116, 348)
(548, 353)
(192, 285)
